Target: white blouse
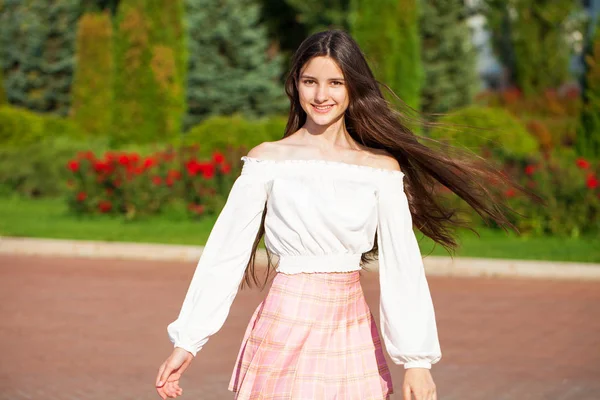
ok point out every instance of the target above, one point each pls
(321, 216)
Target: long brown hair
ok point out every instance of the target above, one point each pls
(375, 123)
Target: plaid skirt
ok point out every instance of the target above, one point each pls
(313, 337)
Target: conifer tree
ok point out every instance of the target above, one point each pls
(149, 72)
(448, 56)
(588, 133)
(530, 39)
(230, 68)
(2, 92)
(388, 34)
(37, 52)
(93, 86)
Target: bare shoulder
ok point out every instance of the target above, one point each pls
(277, 150)
(383, 159)
(265, 150)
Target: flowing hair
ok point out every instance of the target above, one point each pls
(374, 122)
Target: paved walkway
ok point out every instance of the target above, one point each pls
(95, 329)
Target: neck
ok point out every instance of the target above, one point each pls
(327, 137)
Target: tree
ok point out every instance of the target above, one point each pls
(37, 51)
(387, 32)
(93, 86)
(150, 70)
(319, 15)
(449, 58)
(231, 68)
(530, 39)
(2, 92)
(588, 133)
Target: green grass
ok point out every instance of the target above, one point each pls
(49, 218)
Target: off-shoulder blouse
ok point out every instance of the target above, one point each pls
(321, 216)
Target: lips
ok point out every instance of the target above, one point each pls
(323, 109)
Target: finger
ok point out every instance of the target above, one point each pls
(160, 371)
(161, 393)
(170, 389)
(165, 375)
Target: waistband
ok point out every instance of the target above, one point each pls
(320, 263)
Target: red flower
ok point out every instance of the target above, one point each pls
(591, 182)
(149, 162)
(208, 170)
(193, 167)
(218, 157)
(157, 180)
(105, 206)
(225, 168)
(169, 181)
(530, 169)
(582, 163)
(196, 208)
(123, 159)
(134, 158)
(85, 154)
(81, 196)
(510, 193)
(73, 165)
(175, 174)
(117, 182)
(101, 166)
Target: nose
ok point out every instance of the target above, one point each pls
(322, 94)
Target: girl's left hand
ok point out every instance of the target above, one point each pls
(419, 383)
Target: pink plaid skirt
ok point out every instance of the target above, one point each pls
(313, 337)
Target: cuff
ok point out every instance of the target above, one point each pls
(417, 364)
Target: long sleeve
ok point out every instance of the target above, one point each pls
(221, 266)
(407, 315)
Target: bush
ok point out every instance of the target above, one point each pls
(570, 188)
(20, 127)
(483, 129)
(37, 169)
(132, 185)
(217, 133)
(92, 91)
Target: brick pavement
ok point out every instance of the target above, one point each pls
(95, 329)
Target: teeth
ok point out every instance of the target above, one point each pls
(323, 107)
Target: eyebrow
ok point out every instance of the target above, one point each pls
(312, 77)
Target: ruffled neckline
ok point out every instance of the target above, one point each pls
(319, 162)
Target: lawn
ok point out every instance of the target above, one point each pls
(49, 218)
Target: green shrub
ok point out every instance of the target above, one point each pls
(38, 168)
(2, 91)
(218, 133)
(588, 132)
(92, 92)
(388, 33)
(149, 81)
(484, 129)
(20, 127)
(571, 191)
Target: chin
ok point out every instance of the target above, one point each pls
(324, 120)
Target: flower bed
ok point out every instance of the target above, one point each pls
(131, 184)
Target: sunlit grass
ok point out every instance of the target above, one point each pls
(49, 218)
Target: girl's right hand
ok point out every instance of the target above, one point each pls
(169, 373)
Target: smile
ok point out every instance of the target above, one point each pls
(323, 109)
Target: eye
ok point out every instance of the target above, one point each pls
(308, 81)
(337, 83)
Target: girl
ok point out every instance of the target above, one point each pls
(347, 180)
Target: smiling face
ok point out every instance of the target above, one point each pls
(322, 91)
